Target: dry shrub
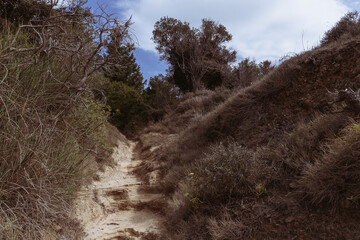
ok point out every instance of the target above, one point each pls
(203, 92)
(195, 227)
(305, 143)
(51, 126)
(277, 147)
(191, 107)
(221, 121)
(231, 173)
(178, 209)
(202, 100)
(228, 171)
(239, 113)
(334, 178)
(172, 179)
(226, 228)
(264, 111)
(347, 27)
(45, 134)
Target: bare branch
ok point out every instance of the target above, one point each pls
(87, 52)
(6, 73)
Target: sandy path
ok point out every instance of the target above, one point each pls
(107, 208)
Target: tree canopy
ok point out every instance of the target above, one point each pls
(247, 72)
(198, 58)
(125, 69)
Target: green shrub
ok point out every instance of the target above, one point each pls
(23, 10)
(128, 110)
(161, 92)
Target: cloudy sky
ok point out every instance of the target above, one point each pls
(261, 29)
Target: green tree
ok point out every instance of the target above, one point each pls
(160, 94)
(197, 57)
(23, 10)
(127, 106)
(126, 86)
(161, 91)
(125, 69)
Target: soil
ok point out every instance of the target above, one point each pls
(108, 208)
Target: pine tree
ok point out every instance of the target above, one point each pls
(125, 69)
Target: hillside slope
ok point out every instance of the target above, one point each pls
(276, 160)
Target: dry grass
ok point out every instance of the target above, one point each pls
(227, 228)
(334, 178)
(346, 28)
(49, 135)
(228, 171)
(303, 145)
(269, 161)
(192, 107)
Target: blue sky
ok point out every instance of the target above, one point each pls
(261, 29)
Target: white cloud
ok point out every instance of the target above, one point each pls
(59, 3)
(261, 29)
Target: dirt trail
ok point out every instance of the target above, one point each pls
(107, 208)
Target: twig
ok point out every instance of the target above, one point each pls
(6, 73)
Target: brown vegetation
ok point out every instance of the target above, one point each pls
(267, 153)
(275, 160)
(53, 130)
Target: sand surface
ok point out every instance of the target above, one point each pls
(106, 208)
